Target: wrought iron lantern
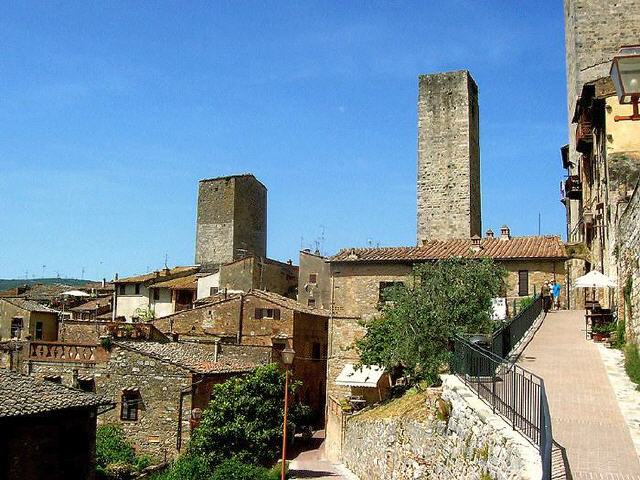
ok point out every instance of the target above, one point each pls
(625, 74)
(287, 356)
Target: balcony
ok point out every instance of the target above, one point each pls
(573, 187)
(584, 135)
(65, 352)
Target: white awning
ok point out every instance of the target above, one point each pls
(594, 279)
(76, 293)
(366, 376)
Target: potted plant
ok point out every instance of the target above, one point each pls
(602, 331)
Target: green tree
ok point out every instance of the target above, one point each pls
(244, 419)
(446, 298)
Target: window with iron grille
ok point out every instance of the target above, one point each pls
(129, 405)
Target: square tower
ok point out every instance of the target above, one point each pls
(448, 157)
(232, 219)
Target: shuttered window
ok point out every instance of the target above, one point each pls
(269, 313)
(523, 283)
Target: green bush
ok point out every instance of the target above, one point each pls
(525, 302)
(632, 362)
(236, 470)
(244, 419)
(190, 467)
(112, 446)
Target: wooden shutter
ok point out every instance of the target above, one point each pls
(523, 283)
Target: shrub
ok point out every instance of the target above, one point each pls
(190, 467)
(235, 470)
(244, 419)
(620, 333)
(632, 362)
(524, 303)
(112, 446)
(449, 297)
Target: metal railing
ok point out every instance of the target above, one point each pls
(514, 393)
(508, 335)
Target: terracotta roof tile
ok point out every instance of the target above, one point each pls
(29, 305)
(539, 247)
(190, 282)
(24, 395)
(159, 275)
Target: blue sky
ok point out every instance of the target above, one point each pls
(111, 112)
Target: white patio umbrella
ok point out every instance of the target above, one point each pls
(594, 279)
(76, 293)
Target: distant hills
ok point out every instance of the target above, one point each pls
(6, 283)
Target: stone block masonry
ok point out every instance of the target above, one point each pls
(628, 252)
(473, 443)
(448, 157)
(232, 219)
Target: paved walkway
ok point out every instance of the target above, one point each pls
(585, 416)
(313, 464)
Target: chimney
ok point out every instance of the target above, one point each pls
(505, 233)
(116, 276)
(489, 234)
(166, 271)
(104, 282)
(424, 242)
(289, 262)
(475, 243)
(216, 347)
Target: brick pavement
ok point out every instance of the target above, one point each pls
(585, 416)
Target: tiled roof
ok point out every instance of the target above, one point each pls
(287, 302)
(29, 305)
(190, 282)
(193, 357)
(92, 305)
(516, 248)
(159, 275)
(24, 395)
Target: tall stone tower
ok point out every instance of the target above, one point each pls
(448, 157)
(232, 219)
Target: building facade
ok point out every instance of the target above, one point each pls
(448, 157)
(314, 289)
(231, 220)
(20, 318)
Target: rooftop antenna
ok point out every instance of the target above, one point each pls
(370, 242)
(26, 274)
(322, 238)
(82, 276)
(43, 267)
(166, 259)
(301, 242)
(539, 221)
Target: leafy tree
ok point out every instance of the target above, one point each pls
(244, 419)
(115, 457)
(447, 297)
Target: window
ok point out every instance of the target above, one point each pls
(385, 290)
(16, 327)
(38, 331)
(87, 384)
(523, 283)
(213, 290)
(53, 378)
(156, 294)
(313, 278)
(129, 405)
(311, 302)
(268, 313)
(316, 351)
(123, 290)
(137, 288)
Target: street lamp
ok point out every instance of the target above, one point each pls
(625, 74)
(288, 355)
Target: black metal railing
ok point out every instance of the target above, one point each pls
(508, 335)
(514, 393)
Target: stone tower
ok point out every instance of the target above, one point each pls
(448, 157)
(232, 219)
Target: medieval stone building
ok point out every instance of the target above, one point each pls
(448, 157)
(232, 219)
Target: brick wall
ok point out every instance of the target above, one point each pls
(448, 157)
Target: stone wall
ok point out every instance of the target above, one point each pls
(628, 267)
(232, 215)
(473, 443)
(82, 331)
(320, 291)
(448, 157)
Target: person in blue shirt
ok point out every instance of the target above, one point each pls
(555, 291)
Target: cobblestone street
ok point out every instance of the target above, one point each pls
(585, 415)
